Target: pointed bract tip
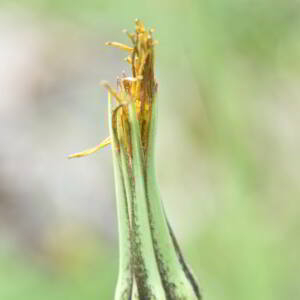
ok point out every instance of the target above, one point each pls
(89, 151)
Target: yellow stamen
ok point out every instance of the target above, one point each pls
(128, 59)
(87, 152)
(132, 79)
(120, 46)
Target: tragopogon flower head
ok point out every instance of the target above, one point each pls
(140, 87)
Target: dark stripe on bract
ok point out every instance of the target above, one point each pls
(185, 268)
(169, 288)
(138, 264)
(139, 269)
(128, 291)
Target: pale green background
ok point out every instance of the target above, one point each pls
(228, 144)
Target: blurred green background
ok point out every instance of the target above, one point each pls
(228, 144)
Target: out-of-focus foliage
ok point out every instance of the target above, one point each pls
(228, 144)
